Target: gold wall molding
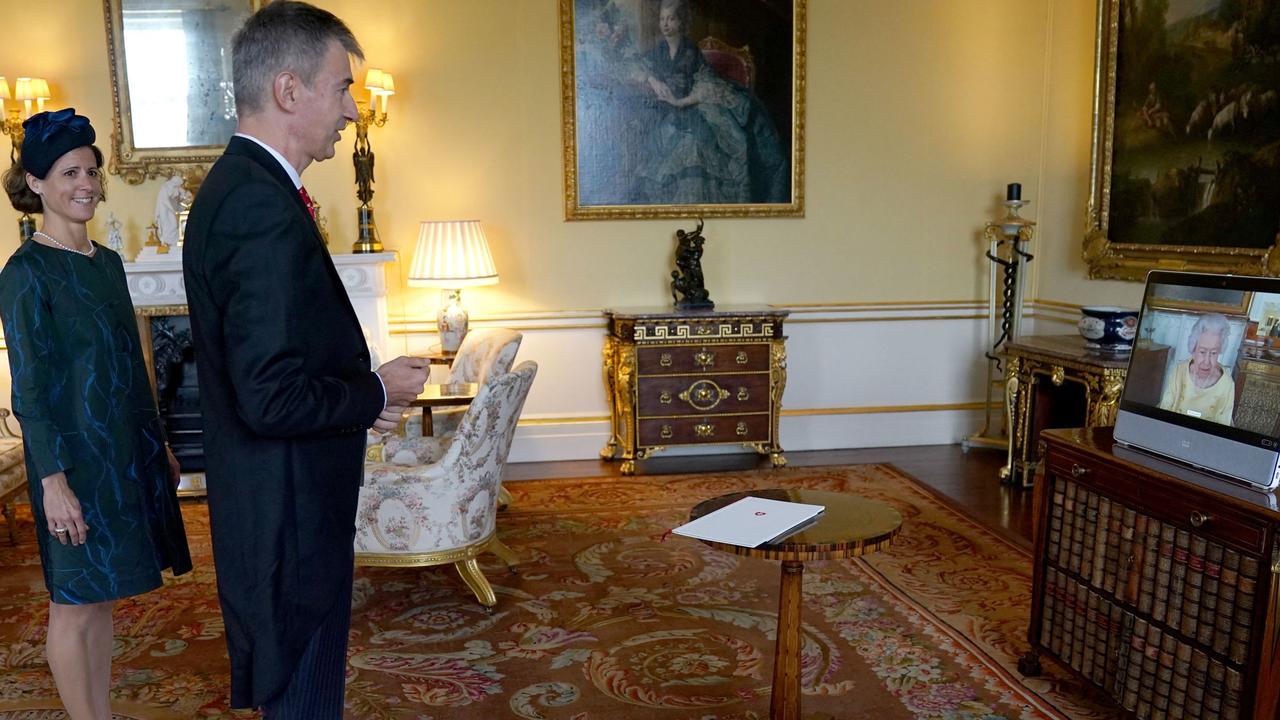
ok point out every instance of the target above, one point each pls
(860, 410)
(878, 311)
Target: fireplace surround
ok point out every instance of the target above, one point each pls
(159, 300)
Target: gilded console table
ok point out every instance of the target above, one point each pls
(1055, 381)
(696, 377)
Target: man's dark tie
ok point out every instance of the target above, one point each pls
(306, 199)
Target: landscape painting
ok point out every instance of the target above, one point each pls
(1193, 171)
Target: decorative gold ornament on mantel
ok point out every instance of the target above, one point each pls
(381, 87)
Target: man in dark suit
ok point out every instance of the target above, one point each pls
(285, 385)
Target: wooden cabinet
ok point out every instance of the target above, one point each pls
(694, 378)
(1159, 585)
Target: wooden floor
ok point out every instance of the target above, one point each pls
(968, 481)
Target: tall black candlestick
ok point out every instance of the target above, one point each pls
(1013, 192)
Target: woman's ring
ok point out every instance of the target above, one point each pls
(60, 531)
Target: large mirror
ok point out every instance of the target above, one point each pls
(171, 83)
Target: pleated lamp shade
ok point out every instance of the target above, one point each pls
(452, 254)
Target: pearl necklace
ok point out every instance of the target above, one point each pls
(54, 240)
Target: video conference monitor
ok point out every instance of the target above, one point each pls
(1203, 385)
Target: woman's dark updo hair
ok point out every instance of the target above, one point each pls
(24, 199)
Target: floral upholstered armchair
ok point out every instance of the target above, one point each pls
(13, 471)
(418, 511)
(484, 352)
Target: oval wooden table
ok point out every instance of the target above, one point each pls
(850, 526)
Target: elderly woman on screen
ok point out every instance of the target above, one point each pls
(1201, 387)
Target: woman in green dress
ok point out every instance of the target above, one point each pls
(102, 480)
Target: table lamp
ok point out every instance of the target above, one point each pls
(451, 254)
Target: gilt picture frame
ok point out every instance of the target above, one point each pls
(1184, 172)
(702, 117)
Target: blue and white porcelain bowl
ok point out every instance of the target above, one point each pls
(1108, 328)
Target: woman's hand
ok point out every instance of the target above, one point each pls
(175, 468)
(661, 90)
(62, 510)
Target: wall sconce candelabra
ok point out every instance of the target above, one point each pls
(381, 87)
(27, 90)
(1009, 239)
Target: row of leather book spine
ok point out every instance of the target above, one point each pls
(1190, 588)
(1150, 671)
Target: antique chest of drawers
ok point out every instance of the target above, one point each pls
(677, 377)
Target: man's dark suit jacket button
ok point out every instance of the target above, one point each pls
(363, 358)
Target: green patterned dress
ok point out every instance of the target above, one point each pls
(83, 398)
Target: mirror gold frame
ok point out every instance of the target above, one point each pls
(131, 163)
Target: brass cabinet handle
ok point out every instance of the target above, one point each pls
(704, 358)
(1198, 518)
(665, 398)
(703, 394)
(666, 432)
(742, 429)
(741, 357)
(704, 429)
(1078, 470)
(743, 395)
(665, 360)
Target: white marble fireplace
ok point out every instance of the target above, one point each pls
(158, 283)
(156, 287)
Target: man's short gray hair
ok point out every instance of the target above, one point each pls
(1214, 323)
(284, 35)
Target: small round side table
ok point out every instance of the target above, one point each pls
(850, 526)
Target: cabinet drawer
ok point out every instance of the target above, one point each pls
(699, 430)
(684, 395)
(671, 359)
(1176, 504)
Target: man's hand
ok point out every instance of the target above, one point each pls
(404, 379)
(389, 420)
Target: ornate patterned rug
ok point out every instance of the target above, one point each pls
(610, 618)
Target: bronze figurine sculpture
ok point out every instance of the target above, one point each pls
(686, 279)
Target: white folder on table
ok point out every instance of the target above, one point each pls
(750, 521)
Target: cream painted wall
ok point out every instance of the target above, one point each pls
(911, 138)
(1064, 194)
(919, 112)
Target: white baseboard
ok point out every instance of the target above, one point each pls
(584, 440)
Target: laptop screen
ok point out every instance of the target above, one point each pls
(1207, 356)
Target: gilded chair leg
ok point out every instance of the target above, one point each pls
(469, 569)
(504, 497)
(504, 553)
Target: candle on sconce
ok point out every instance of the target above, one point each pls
(1013, 191)
(22, 91)
(388, 89)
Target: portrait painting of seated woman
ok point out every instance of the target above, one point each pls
(658, 124)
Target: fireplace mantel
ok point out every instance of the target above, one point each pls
(159, 283)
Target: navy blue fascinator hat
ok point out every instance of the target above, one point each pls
(50, 135)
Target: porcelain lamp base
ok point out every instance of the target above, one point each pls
(451, 321)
